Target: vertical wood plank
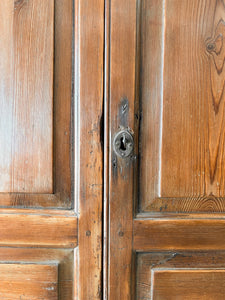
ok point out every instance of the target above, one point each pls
(151, 84)
(89, 42)
(26, 93)
(6, 92)
(63, 111)
(121, 115)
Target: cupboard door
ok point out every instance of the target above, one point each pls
(51, 149)
(165, 202)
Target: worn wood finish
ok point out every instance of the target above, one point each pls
(188, 284)
(28, 281)
(166, 58)
(27, 79)
(182, 127)
(63, 103)
(61, 259)
(179, 275)
(37, 167)
(56, 103)
(121, 107)
(38, 229)
(106, 162)
(194, 234)
(89, 83)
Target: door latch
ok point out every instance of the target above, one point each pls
(123, 143)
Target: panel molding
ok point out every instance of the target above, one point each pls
(182, 116)
(61, 123)
(148, 264)
(179, 234)
(28, 281)
(39, 228)
(202, 204)
(62, 259)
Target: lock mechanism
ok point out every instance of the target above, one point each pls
(123, 143)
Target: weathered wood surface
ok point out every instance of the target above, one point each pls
(122, 43)
(26, 96)
(182, 106)
(38, 229)
(28, 281)
(173, 233)
(89, 83)
(60, 258)
(179, 275)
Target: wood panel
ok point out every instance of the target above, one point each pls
(121, 101)
(20, 228)
(182, 106)
(28, 281)
(175, 233)
(61, 259)
(36, 150)
(180, 275)
(26, 96)
(89, 86)
(188, 284)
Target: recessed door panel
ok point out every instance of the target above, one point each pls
(182, 105)
(180, 275)
(26, 96)
(36, 103)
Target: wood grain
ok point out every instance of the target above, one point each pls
(58, 29)
(37, 229)
(89, 85)
(177, 275)
(182, 105)
(63, 102)
(151, 35)
(188, 284)
(174, 233)
(28, 281)
(63, 259)
(26, 95)
(170, 56)
(121, 171)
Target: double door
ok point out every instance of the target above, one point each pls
(112, 149)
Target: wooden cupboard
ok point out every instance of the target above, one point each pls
(112, 149)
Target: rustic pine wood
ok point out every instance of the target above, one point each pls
(89, 45)
(179, 275)
(61, 259)
(26, 82)
(182, 126)
(63, 103)
(122, 40)
(165, 83)
(179, 233)
(188, 284)
(42, 131)
(57, 77)
(38, 229)
(29, 281)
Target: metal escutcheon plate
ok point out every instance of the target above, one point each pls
(123, 143)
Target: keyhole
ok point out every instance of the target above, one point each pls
(123, 143)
